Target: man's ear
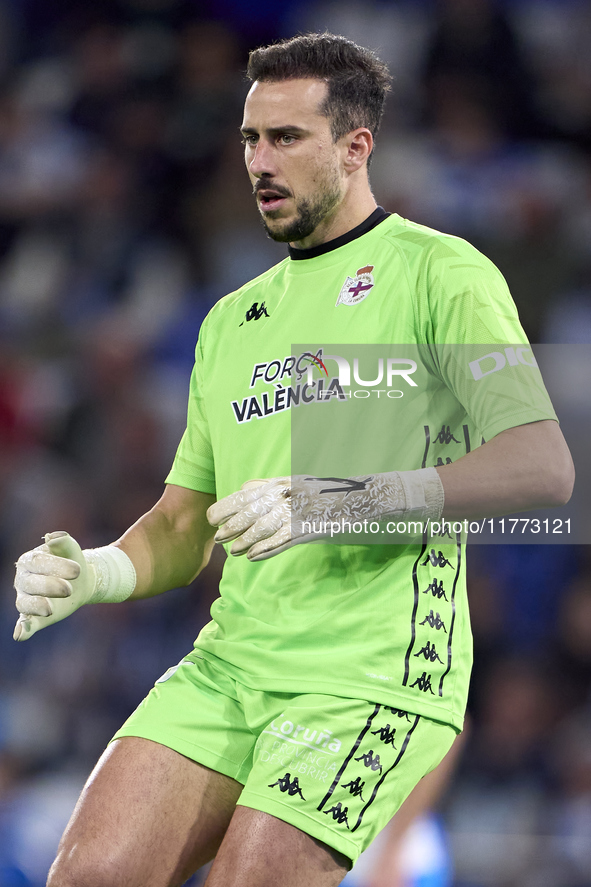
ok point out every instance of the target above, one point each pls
(359, 145)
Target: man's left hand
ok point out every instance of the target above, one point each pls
(267, 517)
(257, 518)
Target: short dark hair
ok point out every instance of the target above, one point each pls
(358, 81)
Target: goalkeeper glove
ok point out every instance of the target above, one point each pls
(56, 578)
(267, 517)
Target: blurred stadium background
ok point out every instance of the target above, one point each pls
(125, 213)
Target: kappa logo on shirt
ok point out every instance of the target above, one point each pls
(356, 289)
(255, 312)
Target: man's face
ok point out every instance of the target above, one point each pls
(292, 160)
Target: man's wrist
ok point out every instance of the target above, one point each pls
(115, 576)
(424, 494)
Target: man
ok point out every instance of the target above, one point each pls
(319, 695)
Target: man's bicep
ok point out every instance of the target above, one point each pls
(526, 466)
(185, 514)
(186, 508)
(539, 447)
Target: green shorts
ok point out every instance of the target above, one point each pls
(336, 768)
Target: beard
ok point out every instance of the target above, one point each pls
(310, 212)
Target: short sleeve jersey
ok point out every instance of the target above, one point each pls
(383, 622)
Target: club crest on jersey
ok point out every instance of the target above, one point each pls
(356, 289)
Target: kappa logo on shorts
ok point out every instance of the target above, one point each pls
(355, 787)
(362, 773)
(339, 813)
(289, 785)
(356, 289)
(370, 761)
(387, 734)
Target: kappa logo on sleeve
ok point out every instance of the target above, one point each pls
(356, 289)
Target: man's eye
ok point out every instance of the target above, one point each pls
(249, 140)
(286, 139)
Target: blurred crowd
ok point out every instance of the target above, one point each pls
(125, 213)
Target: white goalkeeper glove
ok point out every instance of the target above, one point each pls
(56, 578)
(266, 517)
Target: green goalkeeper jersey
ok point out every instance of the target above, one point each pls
(396, 347)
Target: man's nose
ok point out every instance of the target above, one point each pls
(262, 163)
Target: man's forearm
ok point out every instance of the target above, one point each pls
(171, 544)
(525, 467)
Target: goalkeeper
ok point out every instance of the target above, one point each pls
(331, 678)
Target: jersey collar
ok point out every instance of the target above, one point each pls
(377, 216)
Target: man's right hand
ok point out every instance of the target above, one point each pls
(52, 581)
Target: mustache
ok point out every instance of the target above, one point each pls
(267, 185)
